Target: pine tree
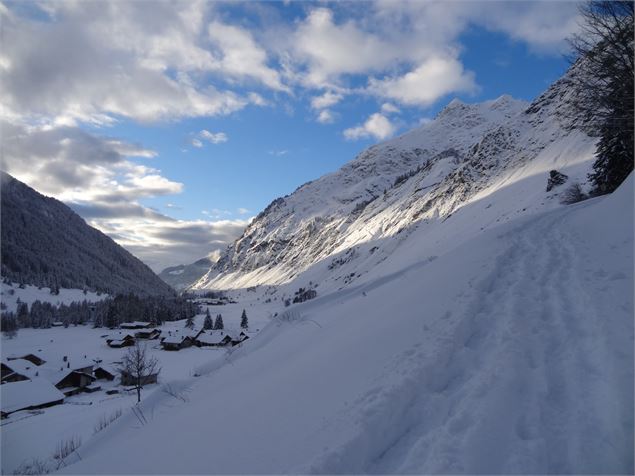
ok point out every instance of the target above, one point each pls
(208, 324)
(218, 324)
(112, 320)
(189, 323)
(244, 323)
(604, 87)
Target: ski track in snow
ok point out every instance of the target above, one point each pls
(501, 382)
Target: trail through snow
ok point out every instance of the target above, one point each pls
(518, 386)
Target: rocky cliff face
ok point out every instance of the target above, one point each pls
(424, 175)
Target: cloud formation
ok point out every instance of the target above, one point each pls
(71, 68)
(376, 126)
(97, 177)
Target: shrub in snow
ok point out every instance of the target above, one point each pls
(35, 466)
(573, 194)
(65, 448)
(106, 420)
(302, 295)
(555, 178)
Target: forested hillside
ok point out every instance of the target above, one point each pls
(45, 243)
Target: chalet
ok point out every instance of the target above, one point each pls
(149, 334)
(28, 395)
(129, 379)
(135, 325)
(176, 342)
(125, 340)
(219, 339)
(69, 381)
(105, 373)
(9, 373)
(243, 336)
(34, 359)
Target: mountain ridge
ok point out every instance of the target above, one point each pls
(423, 175)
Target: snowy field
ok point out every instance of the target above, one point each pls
(26, 435)
(9, 295)
(511, 353)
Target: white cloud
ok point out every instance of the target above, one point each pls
(326, 116)
(243, 211)
(278, 152)
(388, 108)
(196, 143)
(160, 241)
(326, 100)
(242, 56)
(128, 61)
(330, 50)
(377, 126)
(430, 81)
(214, 138)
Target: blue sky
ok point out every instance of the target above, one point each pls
(169, 125)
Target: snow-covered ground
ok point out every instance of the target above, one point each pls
(508, 352)
(27, 435)
(9, 295)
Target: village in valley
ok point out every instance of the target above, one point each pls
(77, 380)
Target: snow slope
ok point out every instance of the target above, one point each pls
(511, 352)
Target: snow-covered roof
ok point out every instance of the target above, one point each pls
(21, 366)
(28, 393)
(175, 339)
(212, 338)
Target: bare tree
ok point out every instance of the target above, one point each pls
(603, 52)
(138, 367)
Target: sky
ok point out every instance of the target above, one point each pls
(170, 125)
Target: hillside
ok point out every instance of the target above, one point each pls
(45, 243)
(184, 275)
(351, 220)
(509, 353)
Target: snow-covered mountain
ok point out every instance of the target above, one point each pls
(349, 221)
(45, 243)
(466, 321)
(184, 275)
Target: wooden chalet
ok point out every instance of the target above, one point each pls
(239, 338)
(70, 382)
(176, 342)
(104, 373)
(9, 373)
(149, 334)
(28, 395)
(214, 339)
(125, 340)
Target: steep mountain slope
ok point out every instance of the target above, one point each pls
(417, 180)
(45, 243)
(184, 275)
(510, 353)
